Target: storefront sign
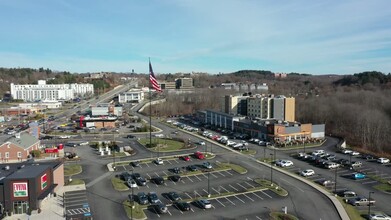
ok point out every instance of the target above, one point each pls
(20, 189)
(44, 181)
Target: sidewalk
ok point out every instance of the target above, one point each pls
(51, 208)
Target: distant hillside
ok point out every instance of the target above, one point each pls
(360, 79)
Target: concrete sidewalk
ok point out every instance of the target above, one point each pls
(51, 208)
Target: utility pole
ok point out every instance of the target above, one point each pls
(335, 181)
(208, 183)
(369, 204)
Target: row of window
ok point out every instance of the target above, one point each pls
(7, 155)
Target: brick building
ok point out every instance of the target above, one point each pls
(18, 147)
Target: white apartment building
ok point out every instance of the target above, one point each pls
(43, 91)
(133, 95)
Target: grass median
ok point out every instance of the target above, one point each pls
(164, 145)
(119, 184)
(282, 216)
(137, 212)
(353, 213)
(74, 182)
(275, 188)
(385, 187)
(72, 169)
(237, 168)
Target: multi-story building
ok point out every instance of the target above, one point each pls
(271, 107)
(168, 85)
(184, 83)
(133, 95)
(43, 91)
(235, 105)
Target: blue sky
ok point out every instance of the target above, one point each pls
(312, 36)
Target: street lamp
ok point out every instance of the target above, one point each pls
(369, 204)
(271, 172)
(335, 181)
(208, 184)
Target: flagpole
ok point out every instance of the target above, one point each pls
(150, 107)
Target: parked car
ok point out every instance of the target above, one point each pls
(158, 161)
(153, 198)
(379, 217)
(205, 204)
(176, 170)
(183, 206)
(202, 143)
(360, 201)
(131, 183)
(174, 178)
(142, 198)
(307, 172)
(368, 157)
(134, 163)
(325, 182)
(356, 164)
(355, 153)
(129, 136)
(199, 155)
(173, 196)
(158, 180)
(284, 163)
(141, 181)
(192, 168)
(207, 165)
(347, 194)
(185, 158)
(383, 160)
(318, 152)
(160, 208)
(358, 176)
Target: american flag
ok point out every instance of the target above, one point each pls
(152, 79)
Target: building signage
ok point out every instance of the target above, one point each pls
(20, 189)
(44, 181)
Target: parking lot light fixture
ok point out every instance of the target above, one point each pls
(271, 171)
(335, 181)
(369, 204)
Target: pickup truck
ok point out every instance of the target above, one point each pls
(360, 201)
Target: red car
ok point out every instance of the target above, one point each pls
(199, 155)
(185, 158)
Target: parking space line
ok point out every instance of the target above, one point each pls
(197, 177)
(165, 173)
(204, 175)
(224, 188)
(233, 187)
(156, 174)
(213, 175)
(228, 172)
(248, 197)
(188, 195)
(258, 217)
(168, 161)
(220, 202)
(241, 186)
(216, 191)
(266, 194)
(221, 174)
(249, 184)
(205, 191)
(191, 209)
(195, 192)
(189, 179)
(165, 183)
(229, 200)
(147, 164)
(239, 199)
(176, 161)
(257, 195)
(182, 181)
(147, 186)
(149, 177)
(386, 177)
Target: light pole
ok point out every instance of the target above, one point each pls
(264, 153)
(369, 204)
(335, 181)
(271, 171)
(208, 184)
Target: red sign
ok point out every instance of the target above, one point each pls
(44, 181)
(51, 150)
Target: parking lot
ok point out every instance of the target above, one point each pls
(76, 205)
(226, 202)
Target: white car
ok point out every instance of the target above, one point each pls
(64, 136)
(355, 153)
(159, 135)
(318, 152)
(284, 163)
(383, 160)
(202, 143)
(379, 217)
(159, 161)
(347, 151)
(307, 172)
(205, 204)
(132, 184)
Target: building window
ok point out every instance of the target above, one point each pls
(7, 155)
(19, 154)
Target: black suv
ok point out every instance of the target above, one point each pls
(158, 180)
